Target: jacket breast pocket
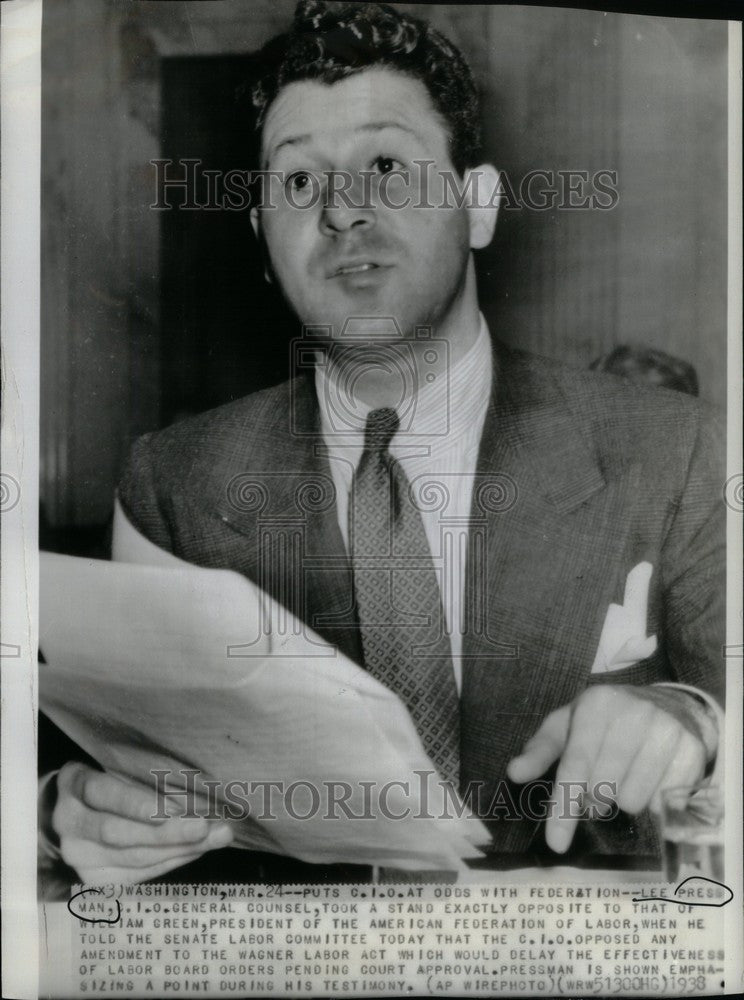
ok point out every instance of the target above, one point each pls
(652, 670)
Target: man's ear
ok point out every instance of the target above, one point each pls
(484, 183)
(256, 223)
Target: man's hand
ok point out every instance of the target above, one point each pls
(106, 832)
(644, 739)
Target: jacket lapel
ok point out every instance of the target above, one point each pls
(546, 538)
(280, 498)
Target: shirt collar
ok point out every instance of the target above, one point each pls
(439, 414)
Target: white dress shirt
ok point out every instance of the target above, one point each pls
(437, 443)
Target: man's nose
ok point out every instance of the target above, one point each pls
(347, 205)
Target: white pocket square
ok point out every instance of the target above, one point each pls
(623, 640)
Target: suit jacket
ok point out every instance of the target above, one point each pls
(580, 477)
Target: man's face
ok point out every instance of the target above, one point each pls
(333, 261)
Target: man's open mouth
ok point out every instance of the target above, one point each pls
(355, 268)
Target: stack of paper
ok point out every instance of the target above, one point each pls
(147, 670)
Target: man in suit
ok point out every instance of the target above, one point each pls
(576, 491)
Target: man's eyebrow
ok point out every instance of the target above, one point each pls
(294, 140)
(379, 126)
(298, 140)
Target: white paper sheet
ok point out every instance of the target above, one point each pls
(142, 673)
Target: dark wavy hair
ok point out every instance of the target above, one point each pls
(330, 41)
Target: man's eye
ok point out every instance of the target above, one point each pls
(302, 189)
(299, 180)
(387, 164)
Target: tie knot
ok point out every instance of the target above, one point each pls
(381, 426)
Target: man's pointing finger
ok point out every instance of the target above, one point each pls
(543, 749)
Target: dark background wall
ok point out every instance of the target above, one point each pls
(148, 314)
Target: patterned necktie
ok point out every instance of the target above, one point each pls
(400, 608)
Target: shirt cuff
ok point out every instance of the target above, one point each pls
(710, 717)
